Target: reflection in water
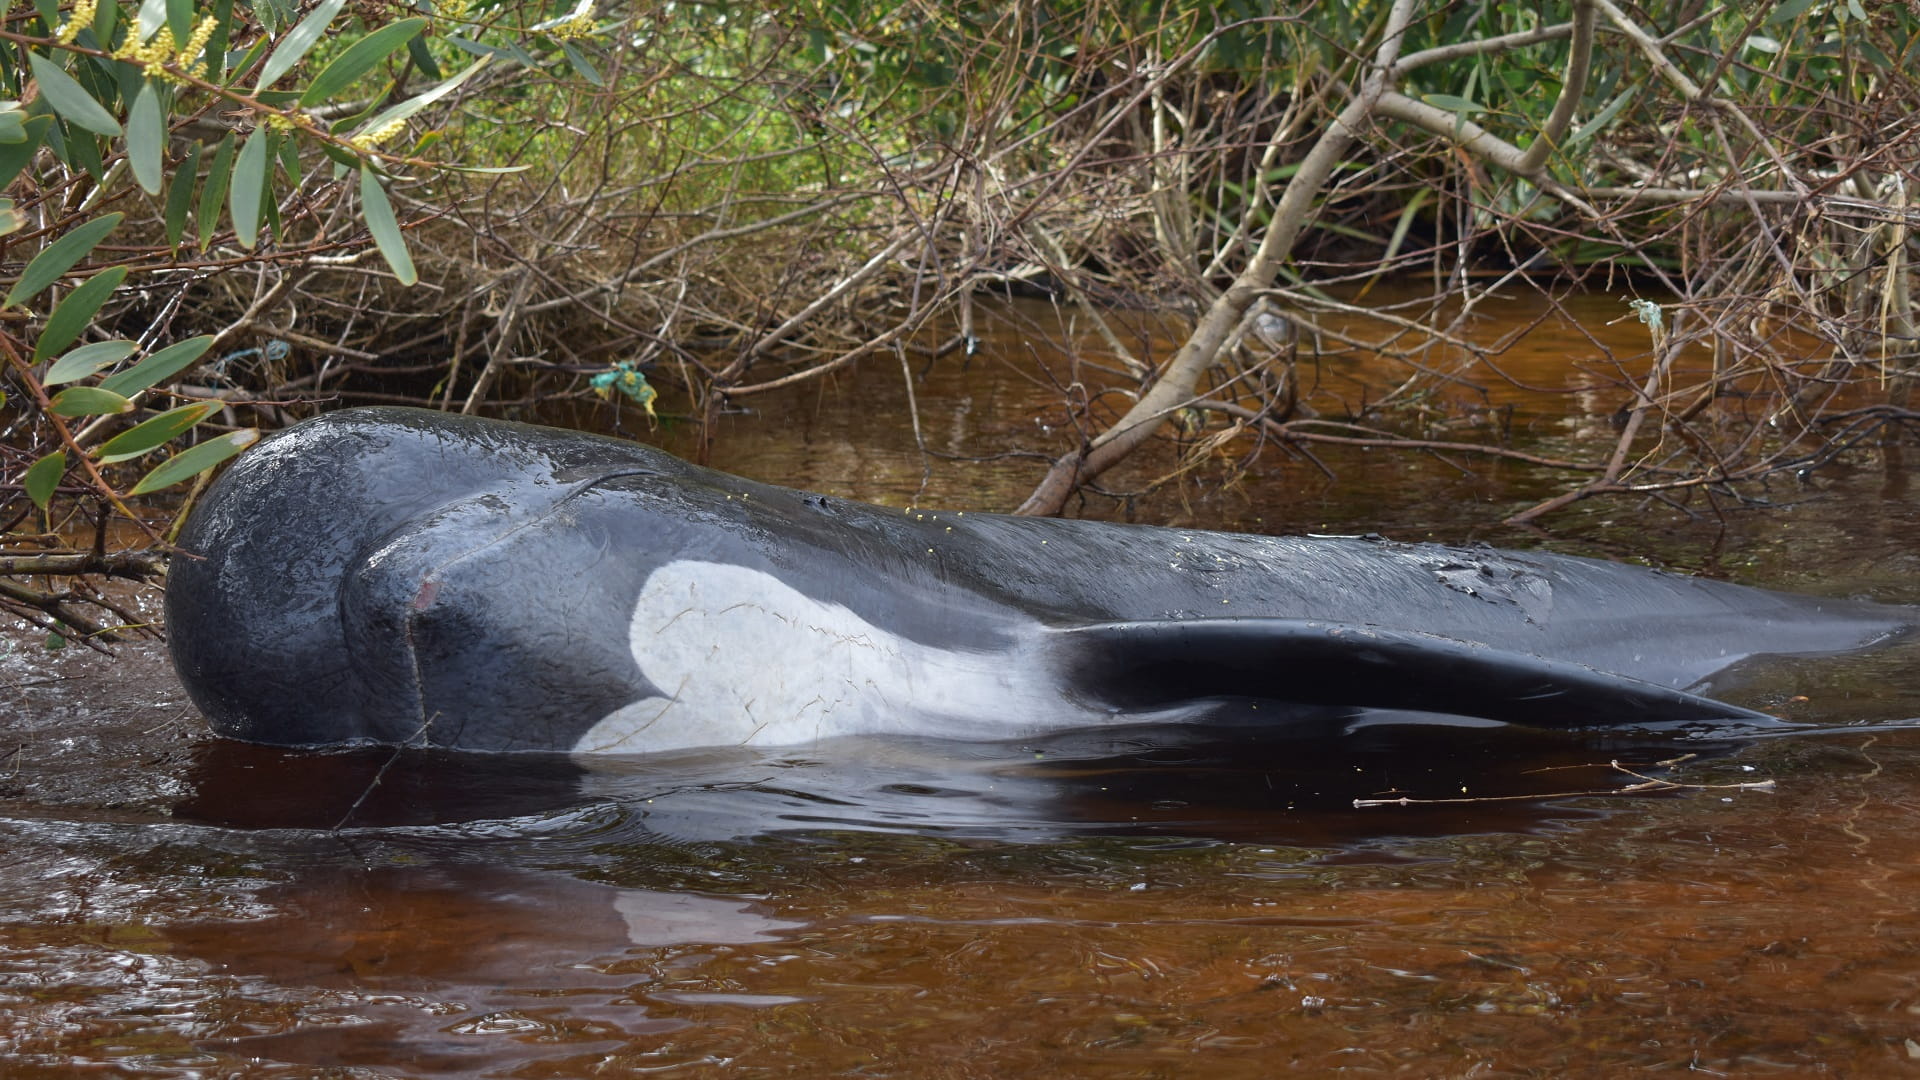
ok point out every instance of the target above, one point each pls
(1124, 897)
(908, 905)
(1195, 781)
(460, 969)
(1133, 902)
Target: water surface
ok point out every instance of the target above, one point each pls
(1133, 903)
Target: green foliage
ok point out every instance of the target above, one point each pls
(706, 173)
(43, 477)
(190, 463)
(212, 112)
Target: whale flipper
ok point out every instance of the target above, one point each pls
(1152, 665)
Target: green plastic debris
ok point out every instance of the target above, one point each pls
(624, 378)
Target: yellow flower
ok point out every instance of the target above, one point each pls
(579, 25)
(152, 56)
(80, 19)
(367, 140)
(196, 44)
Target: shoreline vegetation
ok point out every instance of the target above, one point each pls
(222, 218)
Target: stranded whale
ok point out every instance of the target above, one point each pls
(406, 577)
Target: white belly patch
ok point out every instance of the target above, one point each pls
(742, 658)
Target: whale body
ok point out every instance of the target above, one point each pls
(406, 577)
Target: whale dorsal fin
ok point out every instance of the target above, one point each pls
(1155, 664)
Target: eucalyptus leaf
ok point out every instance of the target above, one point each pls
(153, 16)
(83, 149)
(423, 58)
(1605, 116)
(249, 182)
(58, 257)
(359, 58)
(180, 196)
(43, 478)
(1789, 11)
(158, 367)
(15, 156)
(188, 464)
(180, 21)
(414, 104)
(106, 16)
(385, 227)
(147, 139)
(72, 314)
(216, 53)
(88, 401)
(69, 98)
(582, 65)
(84, 361)
(150, 435)
(237, 65)
(298, 42)
(215, 193)
(1453, 103)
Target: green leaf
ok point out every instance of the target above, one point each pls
(385, 227)
(76, 311)
(153, 16)
(14, 156)
(1453, 103)
(509, 51)
(83, 149)
(249, 181)
(340, 157)
(1604, 116)
(13, 124)
(149, 435)
(1789, 11)
(360, 58)
(69, 98)
(414, 104)
(159, 367)
(288, 151)
(87, 359)
(11, 220)
(105, 17)
(44, 476)
(582, 65)
(252, 54)
(147, 139)
(188, 464)
(298, 41)
(58, 257)
(423, 58)
(216, 53)
(215, 192)
(88, 401)
(180, 196)
(180, 21)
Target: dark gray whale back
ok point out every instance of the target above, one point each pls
(408, 577)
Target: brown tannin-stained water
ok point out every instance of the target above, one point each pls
(1156, 904)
